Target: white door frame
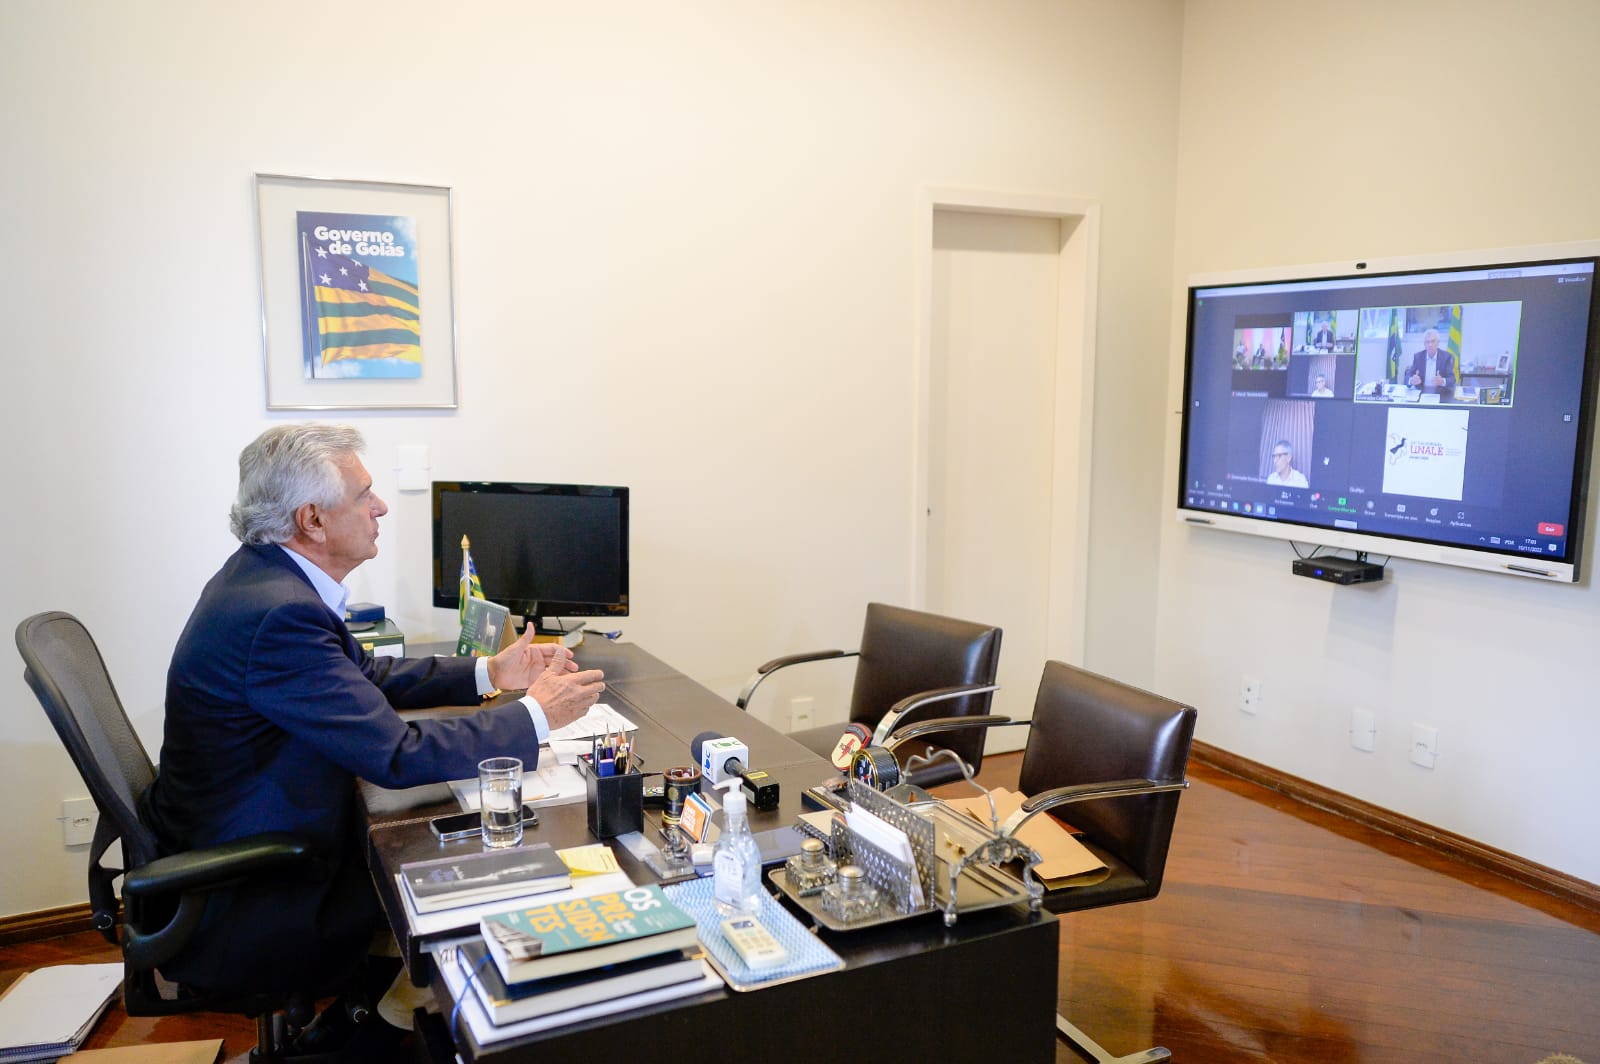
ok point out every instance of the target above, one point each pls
(1074, 397)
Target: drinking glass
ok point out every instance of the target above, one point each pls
(500, 800)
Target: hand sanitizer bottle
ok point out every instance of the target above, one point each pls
(736, 860)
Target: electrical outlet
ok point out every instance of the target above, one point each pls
(78, 819)
(1424, 745)
(1363, 729)
(1250, 694)
(800, 713)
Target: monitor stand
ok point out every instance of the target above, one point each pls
(543, 633)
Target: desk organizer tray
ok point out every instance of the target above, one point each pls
(942, 838)
(808, 955)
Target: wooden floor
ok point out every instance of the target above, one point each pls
(1283, 934)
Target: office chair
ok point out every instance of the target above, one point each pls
(909, 662)
(1117, 755)
(163, 898)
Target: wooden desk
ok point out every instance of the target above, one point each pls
(984, 989)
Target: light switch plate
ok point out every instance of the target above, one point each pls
(413, 471)
(1424, 745)
(78, 820)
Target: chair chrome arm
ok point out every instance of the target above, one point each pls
(761, 673)
(1084, 792)
(939, 724)
(886, 726)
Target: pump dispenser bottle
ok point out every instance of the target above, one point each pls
(736, 860)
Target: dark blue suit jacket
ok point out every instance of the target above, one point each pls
(1444, 362)
(273, 710)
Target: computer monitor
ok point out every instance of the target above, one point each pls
(542, 550)
(1443, 412)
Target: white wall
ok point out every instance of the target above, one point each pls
(1313, 133)
(684, 248)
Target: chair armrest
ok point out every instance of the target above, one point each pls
(190, 877)
(216, 865)
(1084, 792)
(885, 728)
(767, 669)
(939, 724)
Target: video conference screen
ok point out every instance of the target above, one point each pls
(1443, 407)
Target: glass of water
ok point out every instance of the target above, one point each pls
(500, 800)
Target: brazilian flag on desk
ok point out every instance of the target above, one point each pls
(470, 585)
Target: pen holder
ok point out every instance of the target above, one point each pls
(616, 803)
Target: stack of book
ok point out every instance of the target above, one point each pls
(535, 962)
(479, 876)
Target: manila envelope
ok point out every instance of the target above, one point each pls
(1065, 861)
(208, 1051)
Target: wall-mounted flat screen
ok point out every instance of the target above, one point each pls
(1436, 409)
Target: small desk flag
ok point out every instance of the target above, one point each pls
(470, 585)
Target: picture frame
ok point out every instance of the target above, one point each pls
(357, 294)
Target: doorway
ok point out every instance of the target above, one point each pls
(1007, 385)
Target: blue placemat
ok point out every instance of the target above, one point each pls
(808, 955)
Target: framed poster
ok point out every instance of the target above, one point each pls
(357, 294)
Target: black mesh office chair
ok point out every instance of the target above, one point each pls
(912, 667)
(1117, 756)
(163, 898)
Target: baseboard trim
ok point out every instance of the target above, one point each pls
(1459, 847)
(46, 923)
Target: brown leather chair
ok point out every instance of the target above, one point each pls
(1112, 759)
(912, 667)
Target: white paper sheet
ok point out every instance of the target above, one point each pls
(892, 841)
(600, 719)
(551, 784)
(55, 1006)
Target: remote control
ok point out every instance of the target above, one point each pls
(753, 942)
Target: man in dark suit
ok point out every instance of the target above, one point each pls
(273, 710)
(1432, 370)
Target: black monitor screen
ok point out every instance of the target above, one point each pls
(1442, 414)
(543, 550)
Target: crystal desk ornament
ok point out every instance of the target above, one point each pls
(939, 837)
(851, 898)
(810, 870)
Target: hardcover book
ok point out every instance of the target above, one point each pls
(541, 997)
(364, 611)
(471, 878)
(586, 933)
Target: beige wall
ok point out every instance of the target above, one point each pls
(1318, 133)
(684, 253)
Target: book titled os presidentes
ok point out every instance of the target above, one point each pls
(585, 933)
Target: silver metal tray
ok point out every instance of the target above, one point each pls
(980, 886)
